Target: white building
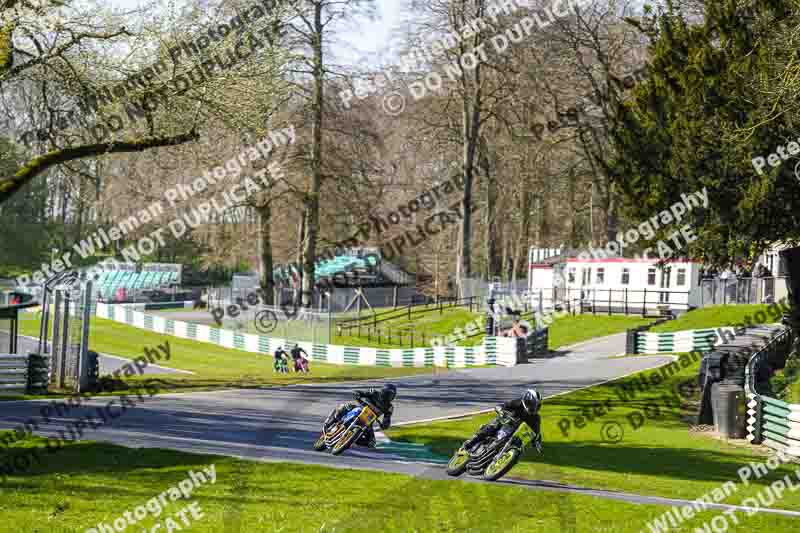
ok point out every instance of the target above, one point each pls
(625, 285)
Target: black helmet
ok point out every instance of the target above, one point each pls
(389, 392)
(531, 401)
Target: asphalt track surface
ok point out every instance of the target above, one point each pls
(108, 363)
(281, 423)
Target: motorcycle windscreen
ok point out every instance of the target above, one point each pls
(353, 413)
(502, 434)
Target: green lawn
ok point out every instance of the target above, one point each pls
(721, 315)
(578, 328)
(214, 366)
(424, 325)
(661, 457)
(431, 324)
(89, 483)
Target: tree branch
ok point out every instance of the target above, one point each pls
(8, 186)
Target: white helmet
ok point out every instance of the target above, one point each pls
(531, 401)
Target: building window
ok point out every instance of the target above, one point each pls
(651, 276)
(601, 276)
(586, 276)
(626, 276)
(571, 275)
(681, 277)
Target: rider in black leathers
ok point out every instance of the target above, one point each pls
(381, 399)
(524, 409)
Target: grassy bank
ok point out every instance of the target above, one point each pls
(574, 329)
(213, 366)
(656, 453)
(90, 483)
(721, 315)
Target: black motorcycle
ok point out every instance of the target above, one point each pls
(493, 458)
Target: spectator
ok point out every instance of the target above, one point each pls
(762, 271)
(516, 330)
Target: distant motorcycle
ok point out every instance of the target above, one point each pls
(493, 458)
(346, 431)
(281, 366)
(301, 365)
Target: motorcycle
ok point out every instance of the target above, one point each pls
(281, 366)
(301, 365)
(346, 431)
(492, 459)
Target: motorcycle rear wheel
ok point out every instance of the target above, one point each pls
(501, 465)
(458, 463)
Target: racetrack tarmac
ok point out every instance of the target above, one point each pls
(281, 423)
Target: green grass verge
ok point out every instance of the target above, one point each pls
(394, 333)
(715, 316)
(89, 483)
(661, 457)
(430, 324)
(578, 328)
(214, 366)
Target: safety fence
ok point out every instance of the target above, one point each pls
(13, 374)
(770, 421)
(535, 345)
(494, 350)
(155, 306)
(702, 340)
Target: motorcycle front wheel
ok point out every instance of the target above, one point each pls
(320, 444)
(501, 464)
(458, 463)
(346, 441)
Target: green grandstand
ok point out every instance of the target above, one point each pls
(110, 282)
(341, 267)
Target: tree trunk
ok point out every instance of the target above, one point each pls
(312, 222)
(265, 234)
(791, 257)
(490, 220)
(301, 239)
(470, 130)
(611, 212)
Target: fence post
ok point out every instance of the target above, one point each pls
(609, 302)
(644, 303)
(626, 301)
(630, 341)
(594, 302)
(394, 297)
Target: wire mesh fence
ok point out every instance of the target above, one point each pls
(66, 309)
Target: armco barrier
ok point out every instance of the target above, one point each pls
(771, 421)
(494, 351)
(13, 374)
(702, 340)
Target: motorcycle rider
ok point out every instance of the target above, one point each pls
(281, 360)
(298, 358)
(381, 399)
(524, 409)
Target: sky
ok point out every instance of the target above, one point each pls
(365, 39)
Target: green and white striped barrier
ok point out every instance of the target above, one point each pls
(702, 340)
(774, 423)
(155, 306)
(494, 351)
